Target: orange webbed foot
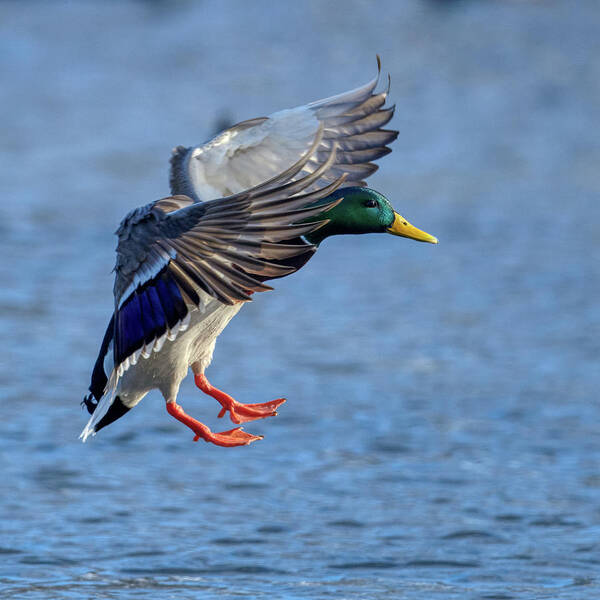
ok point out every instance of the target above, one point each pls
(242, 413)
(227, 439)
(238, 412)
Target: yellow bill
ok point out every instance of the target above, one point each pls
(402, 227)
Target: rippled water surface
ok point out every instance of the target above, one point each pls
(441, 438)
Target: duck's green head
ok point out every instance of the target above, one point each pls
(363, 210)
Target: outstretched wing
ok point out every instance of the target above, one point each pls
(254, 151)
(173, 252)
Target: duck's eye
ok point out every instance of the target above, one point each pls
(370, 203)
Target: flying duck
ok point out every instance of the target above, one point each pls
(250, 205)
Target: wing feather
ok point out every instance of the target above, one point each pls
(255, 151)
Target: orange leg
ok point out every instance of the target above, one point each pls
(233, 437)
(239, 413)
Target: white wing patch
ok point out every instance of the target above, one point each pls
(239, 159)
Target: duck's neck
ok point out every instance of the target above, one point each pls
(316, 237)
(339, 218)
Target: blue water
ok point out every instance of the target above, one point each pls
(440, 438)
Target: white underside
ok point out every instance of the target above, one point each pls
(165, 370)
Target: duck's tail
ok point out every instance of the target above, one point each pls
(108, 409)
(102, 402)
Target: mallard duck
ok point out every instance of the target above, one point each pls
(251, 205)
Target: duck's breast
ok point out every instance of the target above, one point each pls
(164, 370)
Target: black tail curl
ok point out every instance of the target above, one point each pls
(90, 403)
